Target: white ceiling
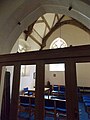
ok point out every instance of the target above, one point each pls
(17, 15)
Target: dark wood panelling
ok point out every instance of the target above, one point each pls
(15, 93)
(75, 52)
(0, 72)
(6, 98)
(71, 91)
(39, 92)
(69, 55)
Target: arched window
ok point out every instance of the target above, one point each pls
(57, 43)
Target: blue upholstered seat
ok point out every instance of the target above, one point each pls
(49, 104)
(32, 101)
(26, 92)
(87, 104)
(50, 107)
(27, 104)
(62, 89)
(55, 89)
(24, 101)
(86, 97)
(61, 107)
(24, 104)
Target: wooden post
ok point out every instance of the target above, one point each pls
(6, 98)
(39, 91)
(15, 92)
(2, 76)
(0, 72)
(71, 91)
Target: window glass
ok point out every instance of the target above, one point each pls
(57, 43)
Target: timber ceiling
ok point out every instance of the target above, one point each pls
(40, 30)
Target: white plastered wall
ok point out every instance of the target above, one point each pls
(12, 12)
(73, 36)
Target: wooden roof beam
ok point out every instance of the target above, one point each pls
(39, 21)
(59, 24)
(46, 22)
(28, 32)
(35, 40)
(50, 32)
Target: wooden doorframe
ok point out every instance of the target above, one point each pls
(70, 56)
(71, 91)
(39, 90)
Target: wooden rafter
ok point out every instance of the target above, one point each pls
(37, 33)
(46, 22)
(50, 32)
(57, 16)
(54, 20)
(59, 24)
(35, 40)
(28, 32)
(39, 21)
(45, 31)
